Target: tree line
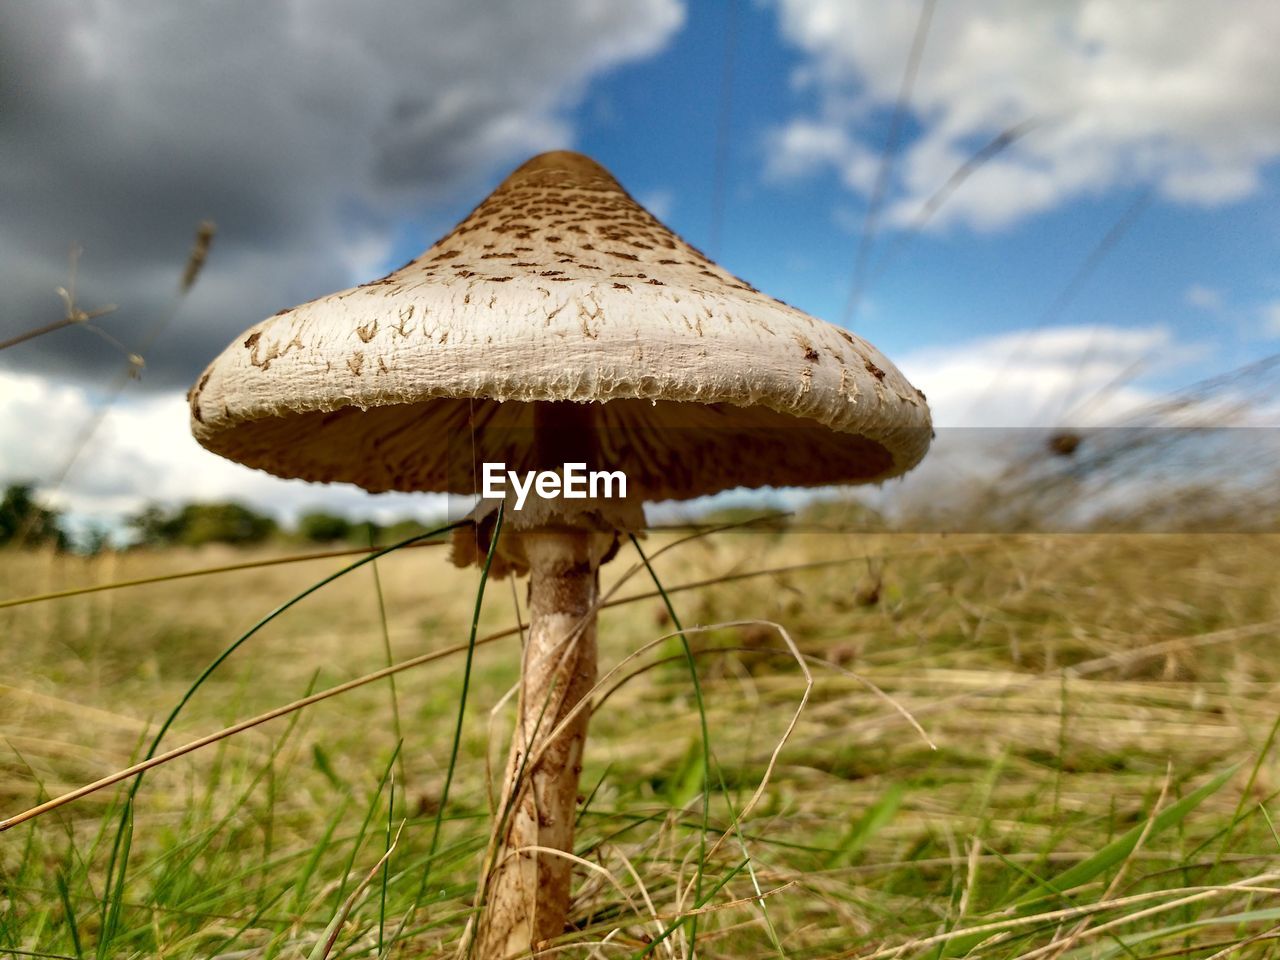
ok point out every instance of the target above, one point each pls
(26, 521)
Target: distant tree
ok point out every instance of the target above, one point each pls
(233, 523)
(24, 521)
(195, 524)
(320, 527)
(155, 526)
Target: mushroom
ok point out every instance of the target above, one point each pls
(559, 324)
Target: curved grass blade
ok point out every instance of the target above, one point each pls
(706, 742)
(462, 704)
(117, 864)
(1109, 856)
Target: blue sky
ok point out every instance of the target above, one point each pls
(332, 147)
(1205, 272)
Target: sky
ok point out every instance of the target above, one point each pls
(1125, 242)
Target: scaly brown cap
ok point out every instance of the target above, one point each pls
(560, 291)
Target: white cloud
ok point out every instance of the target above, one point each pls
(1036, 378)
(661, 202)
(999, 402)
(1205, 298)
(804, 146)
(1271, 318)
(143, 452)
(1133, 93)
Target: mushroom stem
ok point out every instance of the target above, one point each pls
(526, 893)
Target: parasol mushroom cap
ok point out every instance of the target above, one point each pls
(559, 291)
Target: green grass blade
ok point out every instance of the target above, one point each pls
(397, 726)
(364, 826)
(69, 912)
(876, 817)
(706, 740)
(1113, 853)
(1090, 869)
(697, 905)
(118, 863)
(462, 704)
(386, 861)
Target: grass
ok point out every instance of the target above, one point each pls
(1101, 783)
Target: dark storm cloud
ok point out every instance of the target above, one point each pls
(304, 128)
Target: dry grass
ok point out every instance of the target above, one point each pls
(1067, 681)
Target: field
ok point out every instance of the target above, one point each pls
(1092, 774)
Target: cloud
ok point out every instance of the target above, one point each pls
(1000, 403)
(311, 132)
(1163, 95)
(1079, 375)
(1271, 318)
(1205, 298)
(804, 146)
(143, 451)
(661, 202)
